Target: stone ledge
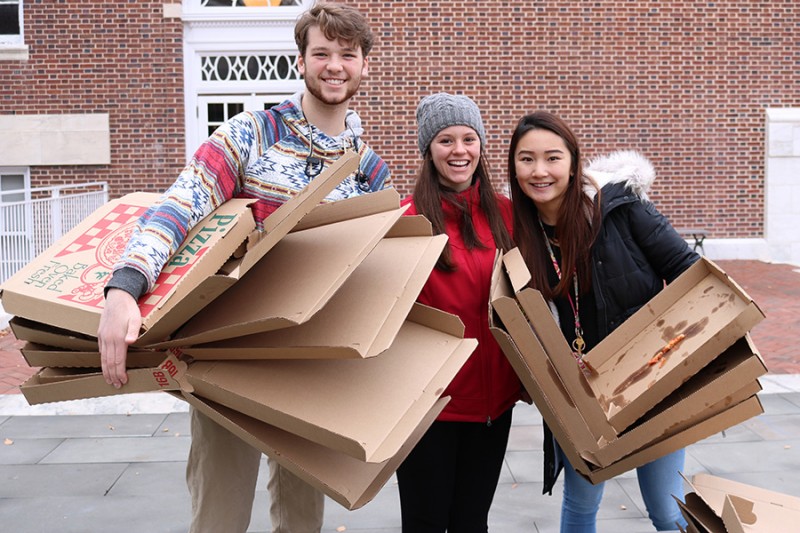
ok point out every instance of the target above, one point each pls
(14, 53)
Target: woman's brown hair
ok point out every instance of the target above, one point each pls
(429, 195)
(578, 218)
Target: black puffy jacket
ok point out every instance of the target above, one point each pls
(635, 252)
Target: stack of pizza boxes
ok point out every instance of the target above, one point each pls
(304, 339)
(680, 369)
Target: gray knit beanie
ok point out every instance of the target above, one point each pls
(439, 111)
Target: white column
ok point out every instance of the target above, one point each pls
(782, 220)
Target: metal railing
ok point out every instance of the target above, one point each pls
(33, 219)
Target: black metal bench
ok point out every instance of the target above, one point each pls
(698, 234)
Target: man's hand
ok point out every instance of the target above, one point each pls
(119, 328)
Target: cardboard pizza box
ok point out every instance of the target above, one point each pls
(52, 384)
(348, 481)
(63, 286)
(720, 395)
(723, 506)
(703, 304)
(360, 320)
(38, 355)
(294, 281)
(47, 335)
(362, 407)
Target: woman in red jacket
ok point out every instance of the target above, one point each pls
(448, 481)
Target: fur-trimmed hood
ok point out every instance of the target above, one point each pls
(623, 166)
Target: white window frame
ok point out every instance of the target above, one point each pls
(18, 40)
(8, 171)
(23, 233)
(233, 31)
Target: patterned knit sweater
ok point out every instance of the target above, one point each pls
(261, 155)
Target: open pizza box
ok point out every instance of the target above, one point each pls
(639, 363)
(717, 505)
(57, 384)
(716, 398)
(348, 481)
(581, 446)
(40, 355)
(308, 267)
(63, 286)
(362, 407)
(360, 320)
(51, 336)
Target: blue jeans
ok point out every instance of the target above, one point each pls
(658, 481)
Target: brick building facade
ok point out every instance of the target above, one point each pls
(690, 84)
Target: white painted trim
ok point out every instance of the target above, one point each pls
(209, 31)
(782, 184)
(783, 114)
(716, 249)
(16, 40)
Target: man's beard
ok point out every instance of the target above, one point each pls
(314, 87)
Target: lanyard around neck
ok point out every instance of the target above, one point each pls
(578, 344)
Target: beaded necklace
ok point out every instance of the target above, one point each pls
(578, 345)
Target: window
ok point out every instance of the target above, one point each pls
(214, 110)
(218, 110)
(249, 67)
(15, 242)
(11, 22)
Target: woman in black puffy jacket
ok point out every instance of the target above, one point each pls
(599, 250)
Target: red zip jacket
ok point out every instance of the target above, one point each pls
(486, 386)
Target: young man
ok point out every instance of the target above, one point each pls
(268, 155)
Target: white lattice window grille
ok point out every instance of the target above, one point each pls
(250, 67)
(11, 22)
(250, 3)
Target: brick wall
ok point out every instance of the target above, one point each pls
(122, 58)
(685, 82)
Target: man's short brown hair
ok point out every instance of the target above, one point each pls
(337, 22)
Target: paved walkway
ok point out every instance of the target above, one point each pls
(117, 464)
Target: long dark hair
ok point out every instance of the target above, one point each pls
(578, 218)
(429, 195)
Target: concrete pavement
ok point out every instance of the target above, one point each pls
(117, 464)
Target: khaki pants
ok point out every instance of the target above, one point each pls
(221, 473)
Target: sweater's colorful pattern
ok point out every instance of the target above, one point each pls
(261, 155)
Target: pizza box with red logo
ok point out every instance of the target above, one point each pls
(63, 286)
